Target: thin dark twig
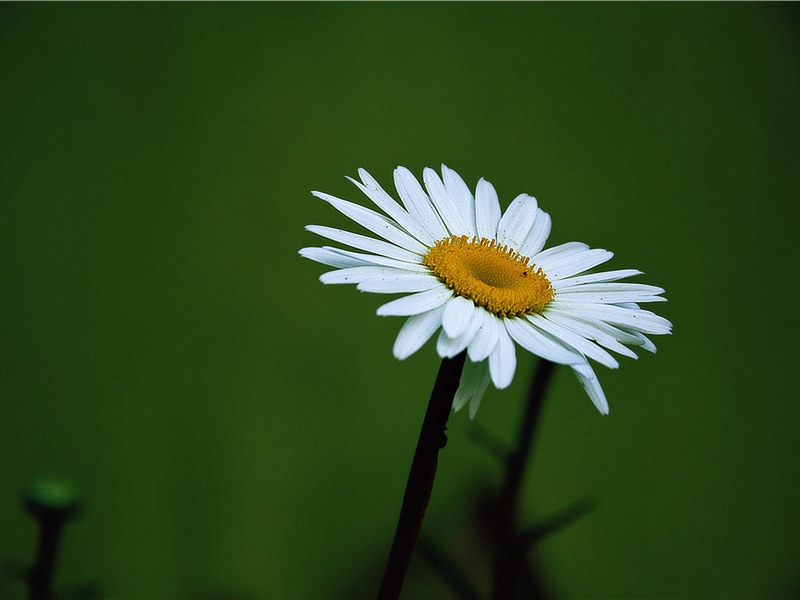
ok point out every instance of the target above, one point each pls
(508, 557)
(432, 438)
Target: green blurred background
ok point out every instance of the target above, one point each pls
(237, 429)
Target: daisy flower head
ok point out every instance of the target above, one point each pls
(484, 281)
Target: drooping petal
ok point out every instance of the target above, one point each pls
(591, 384)
(417, 330)
(503, 361)
(448, 347)
(472, 386)
(486, 338)
(458, 314)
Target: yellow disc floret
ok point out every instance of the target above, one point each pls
(494, 277)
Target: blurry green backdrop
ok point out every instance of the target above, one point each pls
(238, 429)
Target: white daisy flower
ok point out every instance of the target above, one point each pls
(484, 278)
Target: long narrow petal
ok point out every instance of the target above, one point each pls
(375, 222)
(539, 343)
(461, 195)
(538, 234)
(416, 303)
(472, 386)
(627, 318)
(362, 242)
(517, 221)
(451, 215)
(503, 361)
(358, 274)
(389, 205)
(399, 283)
(417, 202)
(611, 293)
(417, 330)
(580, 343)
(592, 331)
(327, 256)
(606, 276)
(374, 259)
(591, 384)
(487, 210)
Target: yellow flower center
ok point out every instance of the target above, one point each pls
(492, 276)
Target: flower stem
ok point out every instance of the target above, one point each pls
(432, 438)
(509, 551)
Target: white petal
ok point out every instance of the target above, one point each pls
(451, 215)
(596, 278)
(458, 314)
(517, 221)
(416, 303)
(385, 202)
(362, 242)
(373, 259)
(486, 338)
(399, 283)
(551, 255)
(487, 210)
(503, 361)
(645, 343)
(472, 386)
(417, 330)
(597, 331)
(611, 293)
(580, 343)
(375, 222)
(627, 318)
(417, 202)
(461, 195)
(576, 263)
(538, 234)
(359, 274)
(448, 347)
(326, 256)
(591, 384)
(525, 333)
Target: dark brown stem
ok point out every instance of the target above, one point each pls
(509, 553)
(432, 438)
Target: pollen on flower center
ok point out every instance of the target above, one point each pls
(494, 277)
